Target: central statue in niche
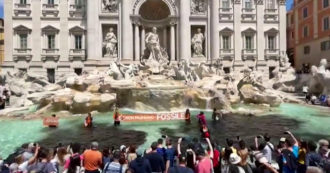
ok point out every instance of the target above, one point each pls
(153, 46)
(197, 44)
(154, 55)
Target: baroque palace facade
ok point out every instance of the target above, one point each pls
(59, 36)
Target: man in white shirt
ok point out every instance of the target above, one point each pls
(269, 148)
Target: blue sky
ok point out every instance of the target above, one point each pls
(288, 6)
(1, 8)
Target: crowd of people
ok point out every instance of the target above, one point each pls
(182, 155)
(4, 96)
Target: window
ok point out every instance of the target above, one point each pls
(325, 3)
(305, 31)
(307, 49)
(270, 71)
(305, 12)
(22, 2)
(325, 45)
(326, 23)
(248, 4)
(248, 43)
(78, 42)
(23, 41)
(225, 4)
(226, 70)
(292, 19)
(271, 43)
(79, 3)
(51, 41)
(51, 75)
(50, 2)
(78, 71)
(270, 4)
(292, 34)
(226, 42)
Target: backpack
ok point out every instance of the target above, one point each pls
(74, 163)
(291, 160)
(107, 166)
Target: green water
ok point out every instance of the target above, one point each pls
(307, 122)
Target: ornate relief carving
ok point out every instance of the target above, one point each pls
(198, 7)
(110, 6)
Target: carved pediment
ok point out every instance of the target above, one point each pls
(22, 28)
(50, 28)
(77, 29)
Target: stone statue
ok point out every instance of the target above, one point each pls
(152, 44)
(110, 6)
(110, 43)
(197, 44)
(198, 7)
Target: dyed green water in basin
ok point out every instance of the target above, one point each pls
(307, 122)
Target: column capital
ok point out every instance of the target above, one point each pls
(260, 2)
(282, 2)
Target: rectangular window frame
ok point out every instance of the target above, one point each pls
(307, 50)
(248, 4)
(271, 42)
(225, 4)
(226, 45)
(249, 42)
(305, 31)
(23, 2)
(51, 40)
(325, 3)
(305, 12)
(326, 23)
(23, 38)
(51, 2)
(78, 42)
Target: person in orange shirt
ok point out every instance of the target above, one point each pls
(116, 119)
(92, 159)
(89, 120)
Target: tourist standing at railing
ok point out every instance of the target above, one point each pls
(290, 154)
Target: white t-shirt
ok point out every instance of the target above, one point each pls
(267, 151)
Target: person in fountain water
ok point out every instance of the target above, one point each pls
(116, 117)
(188, 116)
(89, 121)
(201, 119)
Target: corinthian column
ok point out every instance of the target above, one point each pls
(137, 43)
(214, 29)
(184, 46)
(172, 55)
(127, 31)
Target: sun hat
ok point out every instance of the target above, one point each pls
(282, 139)
(234, 158)
(122, 147)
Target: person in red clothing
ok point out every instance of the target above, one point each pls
(204, 164)
(215, 160)
(116, 117)
(188, 116)
(89, 120)
(205, 131)
(201, 118)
